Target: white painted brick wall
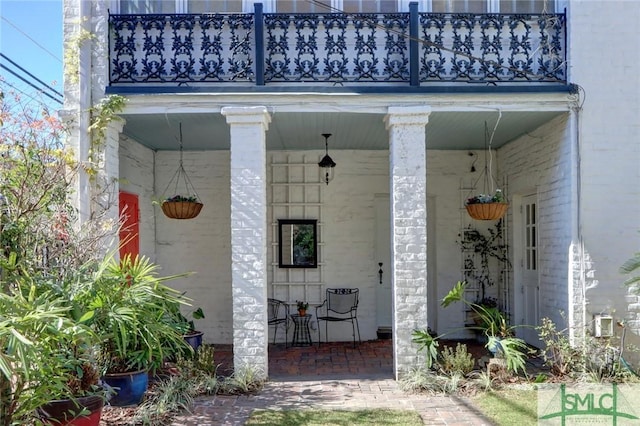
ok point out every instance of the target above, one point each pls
(540, 163)
(99, 48)
(604, 61)
(201, 245)
(136, 177)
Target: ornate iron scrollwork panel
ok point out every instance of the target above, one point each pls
(337, 48)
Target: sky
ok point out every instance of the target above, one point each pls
(31, 36)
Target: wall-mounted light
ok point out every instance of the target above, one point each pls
(473, 164)
(327, 162)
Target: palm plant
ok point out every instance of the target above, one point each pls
(36, 335)
(132, 310)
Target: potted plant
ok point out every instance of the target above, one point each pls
(181, 207)
(302, 307)
(484, 303)
(82, 401)
(487, 207)
(192, 336)
(41, 355)
(130, 309)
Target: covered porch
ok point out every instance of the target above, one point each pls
(253, 165)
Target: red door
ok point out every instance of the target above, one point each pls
(129, 233)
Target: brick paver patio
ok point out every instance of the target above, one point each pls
(332, 376)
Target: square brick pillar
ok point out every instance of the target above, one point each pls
(249, 236)
(408, 175)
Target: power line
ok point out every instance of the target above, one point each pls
(19, 90)
(29, 37)
(31, 84)
(31, 75)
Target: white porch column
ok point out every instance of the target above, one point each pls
(249, 235)
(408, 174)
(107, 185)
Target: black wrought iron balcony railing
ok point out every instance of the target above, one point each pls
(400, 49)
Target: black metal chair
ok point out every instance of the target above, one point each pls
(279, 314)
(340, 305)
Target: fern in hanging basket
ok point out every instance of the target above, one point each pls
(487, 207)
(181, 207)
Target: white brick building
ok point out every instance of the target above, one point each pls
(406, 133)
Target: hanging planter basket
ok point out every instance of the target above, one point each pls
(181, 209)
(487, 206)
(487, 211)
(184, 206)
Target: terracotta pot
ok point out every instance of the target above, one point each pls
(71, 412)
(302, 312)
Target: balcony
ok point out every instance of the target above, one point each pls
(399, 52)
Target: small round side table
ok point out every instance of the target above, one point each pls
(301, 333)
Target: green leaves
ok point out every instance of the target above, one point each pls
(427, 343)
(36, 335)
(198, 314)
(493, 323)
(512, 349)
(456, 294)
(133, 312)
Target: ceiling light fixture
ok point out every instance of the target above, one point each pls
(327, 162)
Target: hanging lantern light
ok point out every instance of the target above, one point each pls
(327, 163)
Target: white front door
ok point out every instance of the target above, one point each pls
(529, 282)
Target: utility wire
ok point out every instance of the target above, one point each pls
(29, 37)
(31, 75)
(31, 84)
(21, 91)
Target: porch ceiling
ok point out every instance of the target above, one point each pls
(302, 130)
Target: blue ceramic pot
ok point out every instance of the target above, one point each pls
(194, 339)
(129, 387)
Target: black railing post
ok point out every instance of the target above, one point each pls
(414, 53)
(258, 25)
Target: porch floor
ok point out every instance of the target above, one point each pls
(371, 359)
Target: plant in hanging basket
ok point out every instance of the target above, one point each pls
(487, 207)
(181, 207)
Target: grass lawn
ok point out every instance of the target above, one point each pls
(333, 417)
(509, 406)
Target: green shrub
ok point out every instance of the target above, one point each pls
(458, 360)
(246, 379)
(558, 354)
